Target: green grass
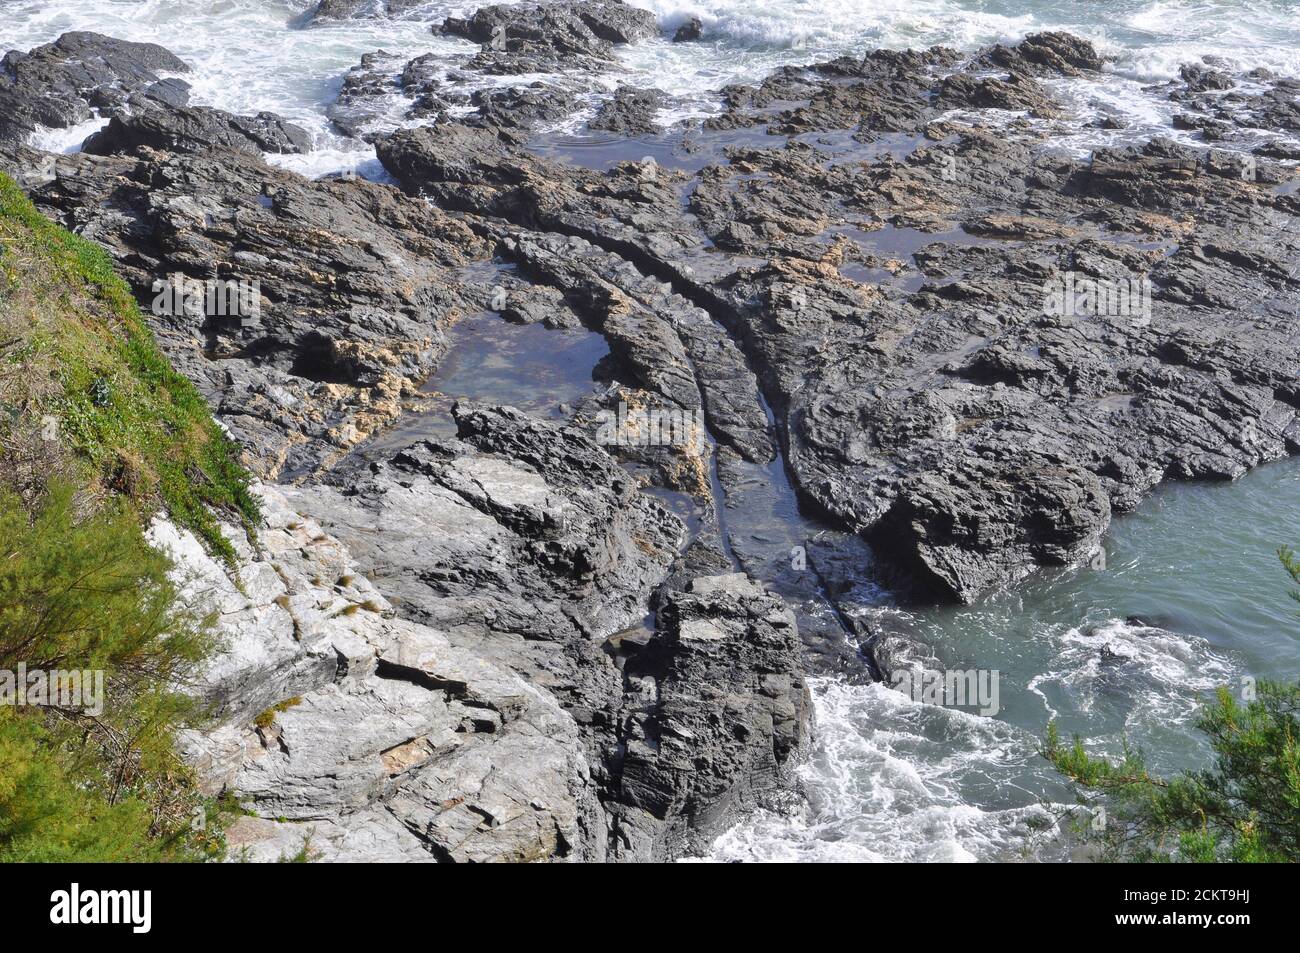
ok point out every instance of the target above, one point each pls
(144, 430)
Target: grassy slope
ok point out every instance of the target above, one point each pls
(73, 347)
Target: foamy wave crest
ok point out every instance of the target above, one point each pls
(1144, 681)
(886, 782)
(839, 25)
(66, 140)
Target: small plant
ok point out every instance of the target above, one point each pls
(267, 718)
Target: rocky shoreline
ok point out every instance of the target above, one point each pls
(498, 646)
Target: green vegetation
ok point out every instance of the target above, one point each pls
(97, 433)
(76, 350)
(267, 718)
(95, 782)
(1292, 565)
(1245, 808)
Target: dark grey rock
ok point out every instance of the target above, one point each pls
(535, 38)
(1046, 54)
(691, 30)
(871, 272)
(523, 107)
(173, 92)
(196, 128)
(1201, 79)
(56, 84)
(367, 9)
(530, 546)
(943, 414)
(631, 112)
(727, 720)
(354, 287)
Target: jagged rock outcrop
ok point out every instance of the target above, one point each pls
(354, 289)
(729, 717)
(366, 736)
(997, 433)
(1045, 54)
(177, 128)
(526, 541)
(692, 29)
(543, 37)
(571, 41)
(522, 107)
(504, 707)
(897, 310)
(371, 88)
(56, 84)
(631, 111)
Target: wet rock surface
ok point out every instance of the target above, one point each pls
(384, 83)
(631, 112)
(928, 346)
(943, 408)
(541, 38)
(365, 9)
(159, 124)
(57, 85)
(731, 717)
(692, 29)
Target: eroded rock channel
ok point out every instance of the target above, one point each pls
(496, 639)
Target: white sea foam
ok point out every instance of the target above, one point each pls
(252, 55)
(67, 140)
(887, 781)
(1147, 678)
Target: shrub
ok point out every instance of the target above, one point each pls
(89, 594)
(1245, 808)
